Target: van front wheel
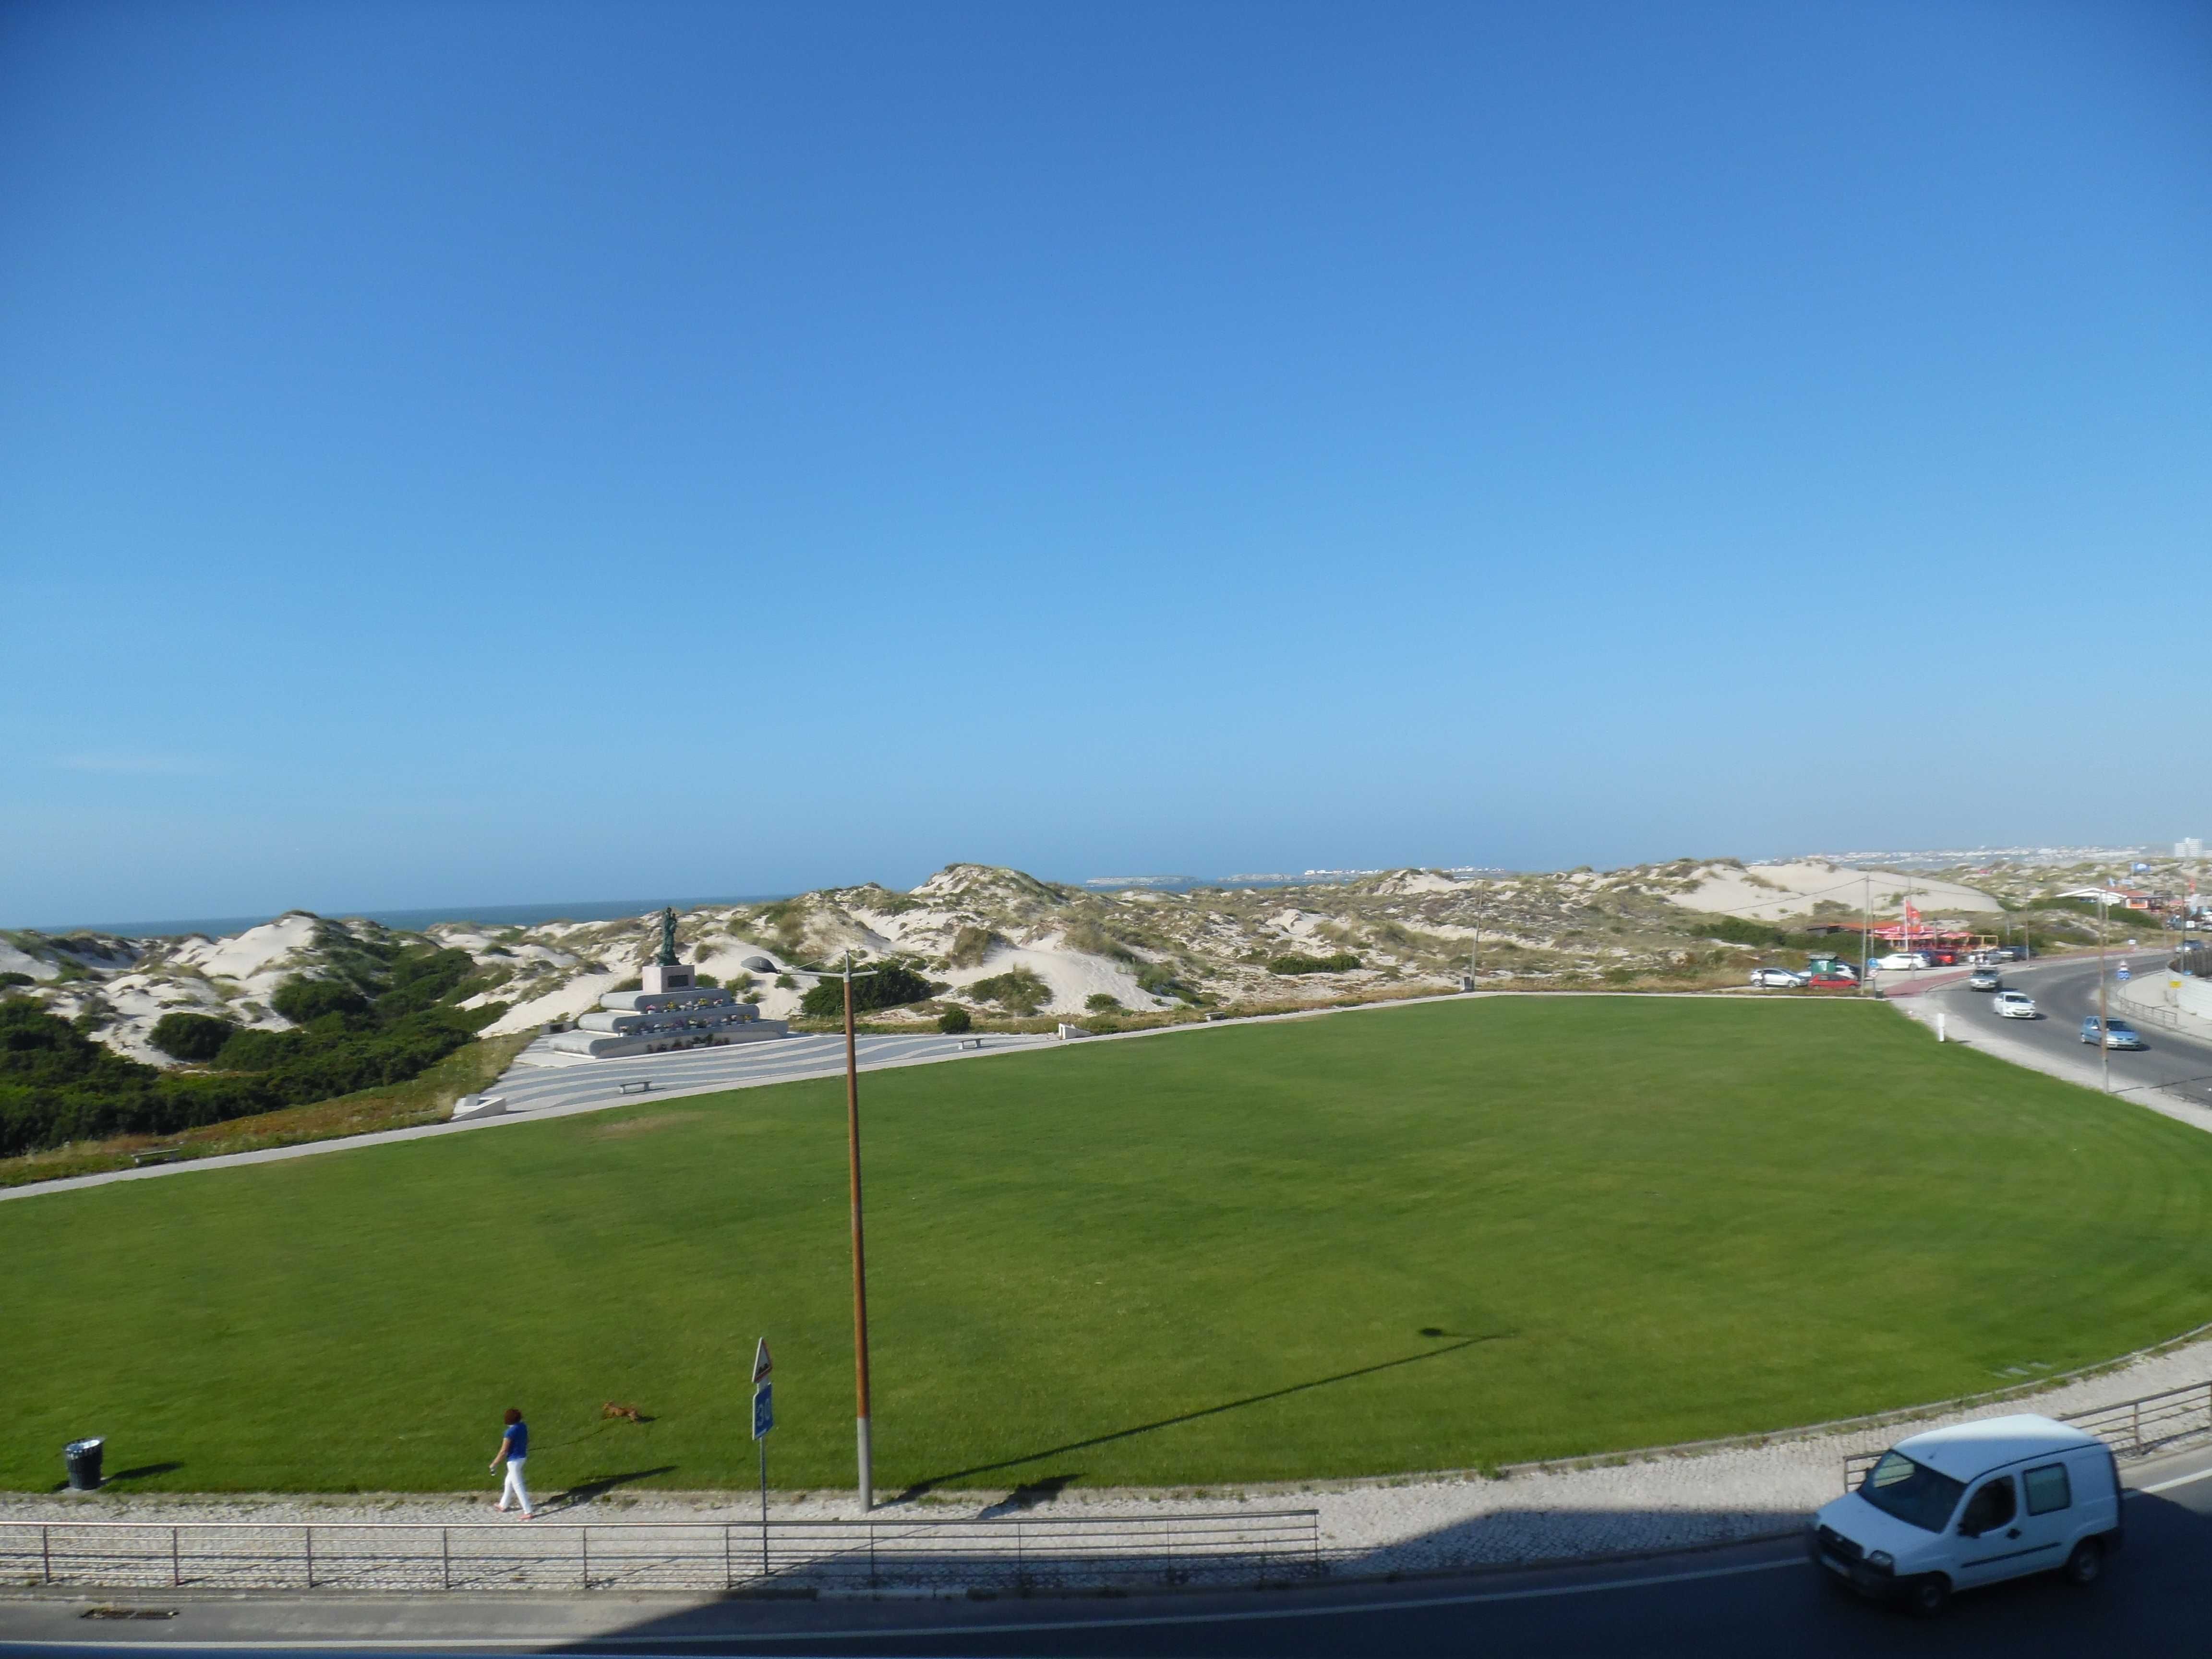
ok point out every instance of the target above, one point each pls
(2086, 1565)
(1928, 1596)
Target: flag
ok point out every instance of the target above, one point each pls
(1910, 915)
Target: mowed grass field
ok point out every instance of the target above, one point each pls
(1430, 1236)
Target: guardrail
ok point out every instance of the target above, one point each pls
(2134, 1428)
(783, 1557)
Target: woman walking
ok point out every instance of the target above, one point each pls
(514, 1447)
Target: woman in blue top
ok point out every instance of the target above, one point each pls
(514, 1447)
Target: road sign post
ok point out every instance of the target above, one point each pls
(763, 1421)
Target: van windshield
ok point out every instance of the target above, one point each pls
(1913, 1492)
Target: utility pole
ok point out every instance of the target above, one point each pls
(1866, 928)
(860, 1254)
(866, 1448)
(1475, 957)
(2104, 1022)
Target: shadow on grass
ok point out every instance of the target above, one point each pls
(584, 1491)
(143, 1472)
(929, 1482)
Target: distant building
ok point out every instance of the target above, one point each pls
(2118, 898)
(2190, 847)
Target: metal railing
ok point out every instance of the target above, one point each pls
(2134, 1428)
(789, 1557)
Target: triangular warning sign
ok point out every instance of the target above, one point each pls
(762, 1364)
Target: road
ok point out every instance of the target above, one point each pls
(1754, 1600)
(2171, 1070)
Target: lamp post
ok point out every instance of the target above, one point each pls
(864, 1447)
(2104, 1023)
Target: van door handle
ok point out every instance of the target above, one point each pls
(2014, 1532)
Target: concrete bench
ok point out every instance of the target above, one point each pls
(638, 1088)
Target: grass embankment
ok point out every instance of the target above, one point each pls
(1423, 1237)
(427, 1098)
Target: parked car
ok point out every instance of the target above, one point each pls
(2015, 1005)
(1780, 979)
(1973, 1504)
(2118, 1035)
(1985, 979)
(2005, 953)
(1827, 980)
(1902, 962)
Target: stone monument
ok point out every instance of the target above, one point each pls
(670, 1010)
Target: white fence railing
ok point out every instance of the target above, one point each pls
(2134, 1428)
(790, 1557)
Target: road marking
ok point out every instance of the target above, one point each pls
(585, 1645)
(2179, 1480)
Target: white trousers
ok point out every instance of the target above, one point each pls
(515, 1488)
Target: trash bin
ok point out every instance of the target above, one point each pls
(83, 1458)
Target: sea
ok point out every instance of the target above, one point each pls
(488, 915)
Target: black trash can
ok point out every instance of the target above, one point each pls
(83, 1458)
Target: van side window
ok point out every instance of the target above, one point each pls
(1989, 1508)
(2048, 1489)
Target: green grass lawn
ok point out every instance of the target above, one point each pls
(1423, 1238)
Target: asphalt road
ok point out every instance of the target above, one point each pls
(1755, 1599)
(2065, 991)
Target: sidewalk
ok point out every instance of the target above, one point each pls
(1422, 1523)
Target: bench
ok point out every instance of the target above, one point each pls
(140, 1160)
(638, 1088)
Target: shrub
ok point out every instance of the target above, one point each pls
(707, 980)
(1099, 1002)
(16, 978)
(303, 1001)
(1160, 979)
(635, 982)
(953, 1021)
(971, 945)
(190, 1037)
(1017, 990)
(1296, 962)
(891, 985)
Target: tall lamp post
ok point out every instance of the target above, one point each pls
(2104, 1020)
(865, 1449)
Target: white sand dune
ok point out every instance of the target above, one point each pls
(1768, 892)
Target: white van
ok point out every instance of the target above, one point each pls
(1973, 1504)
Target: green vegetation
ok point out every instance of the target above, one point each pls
(892, 984)
(190, 1037)
(1160, 980)
(953, 1021)
(1442, 1235)
(1296, 962)
(1103, 1002)
(970, 946)
(427, 1098)
(1018, 990)
(381, 1014)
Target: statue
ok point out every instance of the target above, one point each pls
(667, 956)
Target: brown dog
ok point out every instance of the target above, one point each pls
(613, 1408)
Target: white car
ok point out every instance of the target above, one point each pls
(1973, 1504)
(1901, 961)
(2014, 1005)
(1781, 979)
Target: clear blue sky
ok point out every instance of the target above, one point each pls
(465, 453)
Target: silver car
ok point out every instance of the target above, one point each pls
(2014, 1005)
(1780, 979)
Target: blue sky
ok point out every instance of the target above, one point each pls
(474, 453)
